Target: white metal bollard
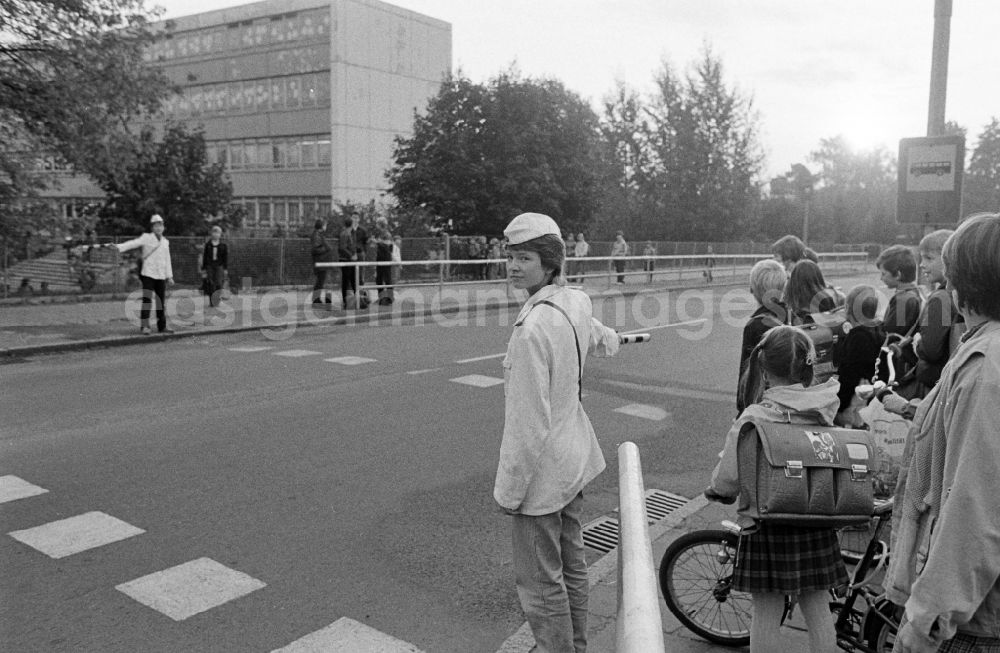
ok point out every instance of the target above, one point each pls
(638, 626)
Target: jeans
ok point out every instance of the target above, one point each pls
(320, 286)
(550, 568)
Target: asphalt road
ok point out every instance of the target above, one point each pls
(346, 490)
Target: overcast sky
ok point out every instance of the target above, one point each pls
(815, 68)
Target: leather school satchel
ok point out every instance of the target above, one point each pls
(805, 474)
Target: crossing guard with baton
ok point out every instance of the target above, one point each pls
(549, 451)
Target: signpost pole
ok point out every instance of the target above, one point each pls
(939, 68)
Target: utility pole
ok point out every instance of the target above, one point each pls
(939, 68)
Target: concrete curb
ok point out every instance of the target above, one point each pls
(599, 572)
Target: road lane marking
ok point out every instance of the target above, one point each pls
(190, 588)
(13, 488)
(644, 411)
(350, 360)
(480, 358)
(249, 349)
(427, 371)
(478, 380)
(297, 353)
(346, 635)
(65, 537)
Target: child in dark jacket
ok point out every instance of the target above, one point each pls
(939, 316)
(857, 354)
(898, 266)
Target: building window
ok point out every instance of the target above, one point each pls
(324, 153)
(308, 154)
(294, 154)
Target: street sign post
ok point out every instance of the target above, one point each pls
(930, 180)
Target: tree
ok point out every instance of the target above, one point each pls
(856, 196)
(483, 153)
(171, 177)
(692, 157)
(981, 187)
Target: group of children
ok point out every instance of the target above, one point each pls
(779, 382)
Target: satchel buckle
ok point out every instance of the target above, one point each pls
(859, 472)
(793, 469)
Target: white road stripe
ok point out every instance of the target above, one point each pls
(346, 635)
(13, 488)
(478, 380)
(433, 369)
(190, 588)
(297, 353)
(644, 411)
(65, 537)
(350, 360)
(480, 358)
(249, 349)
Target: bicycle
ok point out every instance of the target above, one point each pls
(696, 575)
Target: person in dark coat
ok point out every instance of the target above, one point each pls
(321, 253)
(214, 266)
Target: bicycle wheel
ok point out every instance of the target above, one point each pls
(881, 625)
(696, 575)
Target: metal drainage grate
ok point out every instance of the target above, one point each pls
(601, 534)
(659, 504)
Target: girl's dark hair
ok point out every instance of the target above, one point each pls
(789, 248)
(785, 352)
(806, 288)
(972, 264)
(318, 224)
(551, 250)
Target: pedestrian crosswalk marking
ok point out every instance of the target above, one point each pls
(297, 353)
(644, 411)
(478, 380)
(13, 488)
(250, 349)
(350, 360)
(346, 635)
(65, 537)
(190, 588)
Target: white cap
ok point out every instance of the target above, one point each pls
(156, 218)
(528, 226)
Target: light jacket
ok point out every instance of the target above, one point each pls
(155, 255)
(793, 404)
(945, 563)
(549, 450)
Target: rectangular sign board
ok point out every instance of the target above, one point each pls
(930, 180)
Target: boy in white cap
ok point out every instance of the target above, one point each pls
(549, 450)
(155, 274)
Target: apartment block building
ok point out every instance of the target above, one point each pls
(299, 99)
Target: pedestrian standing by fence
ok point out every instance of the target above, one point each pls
(383, 253)
(155, 273)
(549, 451)
(321, 253)
(620, 248)
(649, 265)
(347, 251)
(582, 249)
(214, 266)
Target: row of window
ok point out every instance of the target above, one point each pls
(276, 94)
(283, 211)
(270, 30)
(271, 153)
